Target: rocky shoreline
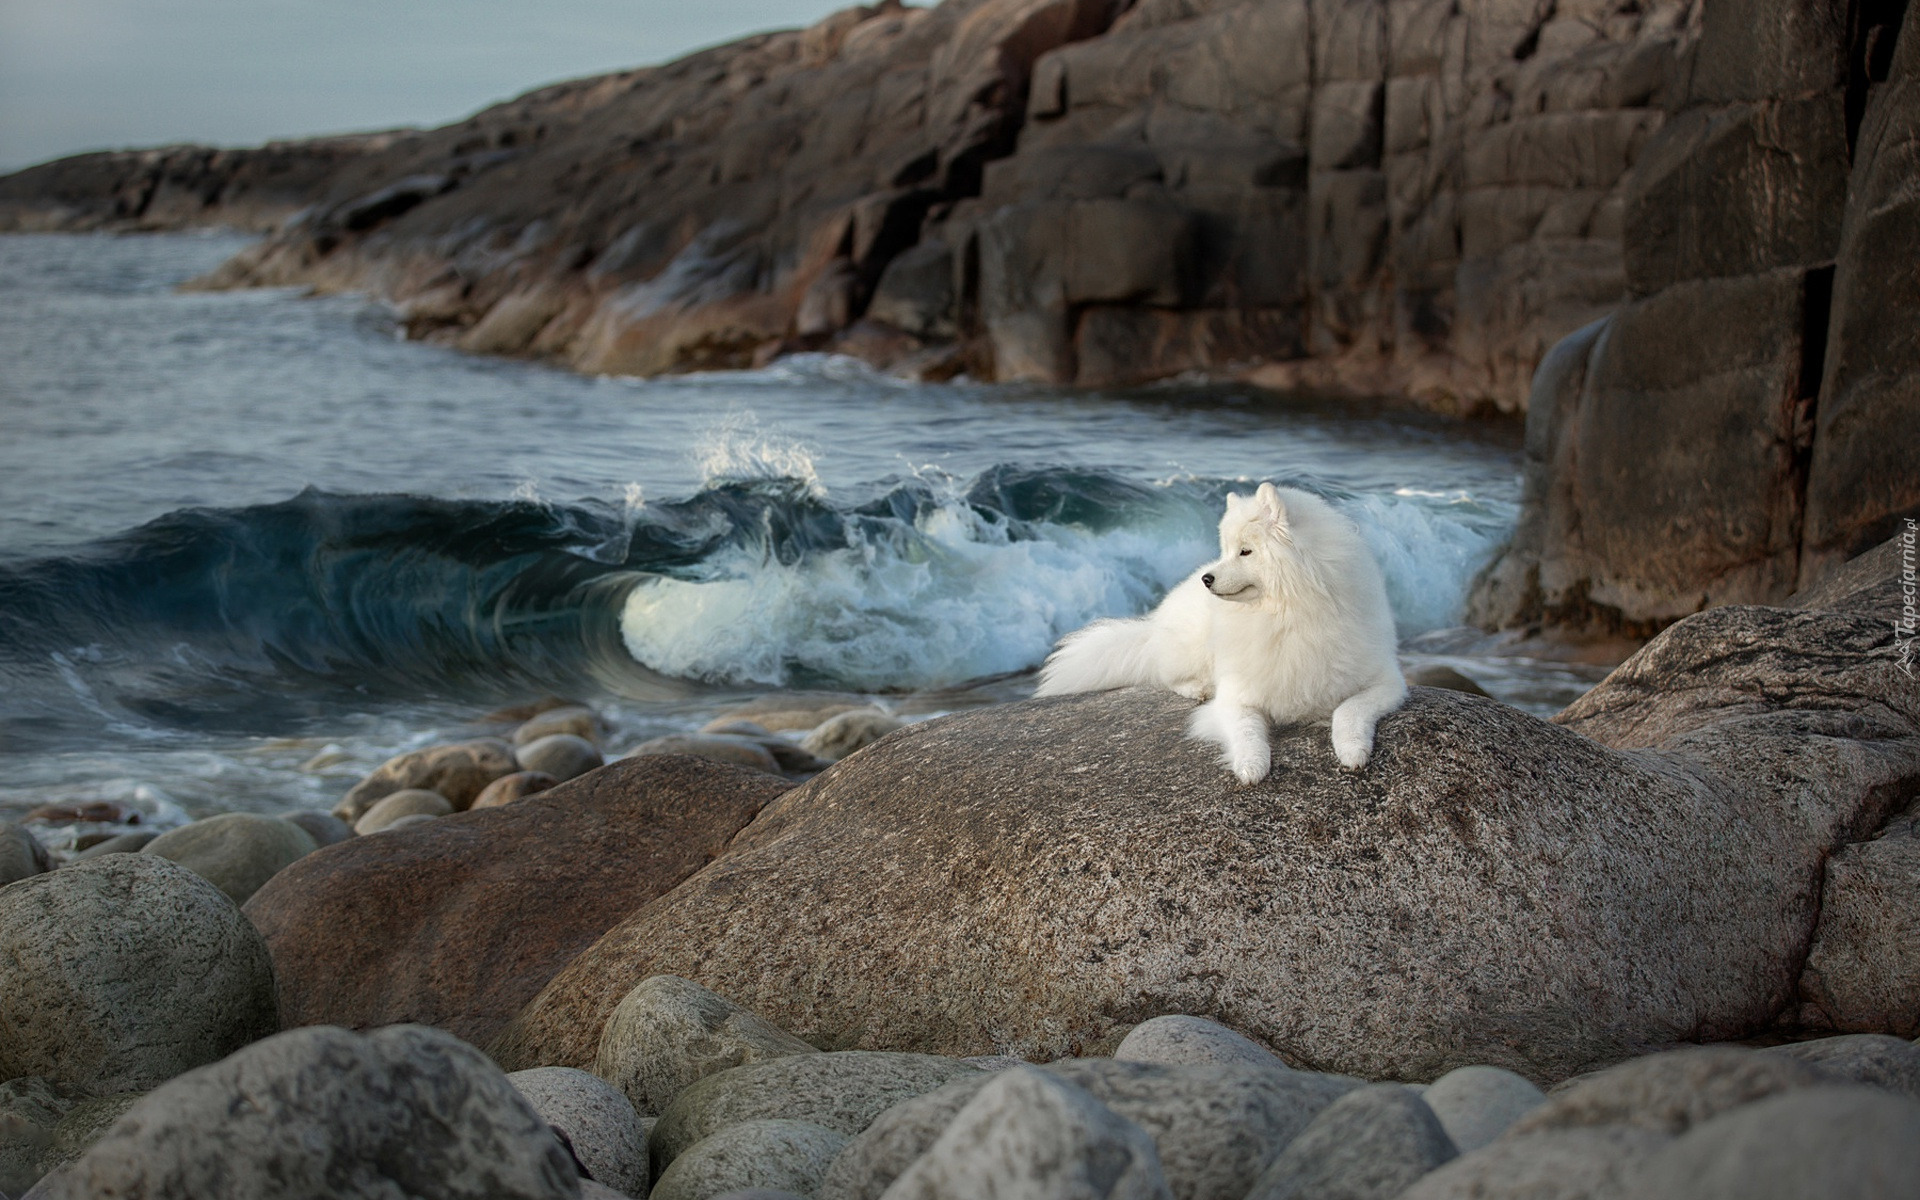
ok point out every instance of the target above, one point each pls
(1660, 946)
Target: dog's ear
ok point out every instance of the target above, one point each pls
(1268, 498)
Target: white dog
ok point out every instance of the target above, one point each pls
(1292, 624)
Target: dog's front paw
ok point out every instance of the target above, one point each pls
(1251, 764)
(1193, 691)
(1352, 750)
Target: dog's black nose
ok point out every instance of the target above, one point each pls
(1206, 581)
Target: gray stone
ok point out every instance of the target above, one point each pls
(21, 854)
(1478, 1104)
(758, 1194)
(1560, 1164)
(604, 1131)
(1370, 1144)
(915, 292)
(576, 719)
(403, 1110)
(1672, 1092)
(1872, 1058)
(774, 1154)
(561, 755)
(456, 771)
(123, 843)
(510, 788)
(1030, 1134)
(1861, 973)
(738, 751)
(396, 806)
(843, 1091)
(410, 821)
(85, 1124)
(22, 1145)
(880, 1153)
(1437, 675)
(839, 736)
(323, 827)
(669, 1033)
(124, 971)
(1857, 1142)
(236, 852)
(1193, 1041)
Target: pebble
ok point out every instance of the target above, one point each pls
(408, 802)
(123, 843)
(1029, 1133)
(604, 1131)
(1477, 1104)
(457, 771)
(779, 1154)
(738, 751)
(669, 1033)
(517, 786)
(575, 719)
(323, 827)
(236, 852)
(561, 755)
(408, 822)
(21, 854)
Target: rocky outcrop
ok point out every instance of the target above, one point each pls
(1738, 428)
(459, 921)
(1492, 888)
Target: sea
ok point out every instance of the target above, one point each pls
(254, 543)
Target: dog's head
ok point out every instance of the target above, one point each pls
(1258, 555)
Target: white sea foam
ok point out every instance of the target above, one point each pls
(958, 597)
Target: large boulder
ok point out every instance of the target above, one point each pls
(236, 852)
(458, 922)
(1492, 889)
(123, 971)
(316, 1113)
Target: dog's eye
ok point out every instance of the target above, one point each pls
(1244, 553)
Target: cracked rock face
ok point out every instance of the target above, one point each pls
(322, 1112)
(1491, 888)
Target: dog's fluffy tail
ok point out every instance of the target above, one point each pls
(1106, 654)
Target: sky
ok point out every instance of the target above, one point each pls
(80, 75)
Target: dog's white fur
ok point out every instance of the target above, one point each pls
(1292, 624)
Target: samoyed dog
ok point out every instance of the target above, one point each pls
(1291, 625)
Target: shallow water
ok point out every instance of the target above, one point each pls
(256, 542)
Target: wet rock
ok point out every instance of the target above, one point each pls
(843, 1091)
(1370, 1144)
(737, 751)
(457, 772)
(1710, 787)
(1551, 1165)
(576, 719)
(1872, 1058)
(21, 855)
(1031, 1133)
(124, 971)
(324, 828)
(776, 1154)
(236, 852)
(1672, 1092)
(669, 1033)
(122, 843)
(1193, 1041)
(1478, 1104)
(407, 1108)
(1436, 675)
(839, 736)
(459, 922)
(1857, 1142)
(601, 1126)
(517, 786)
(395, 806)
(561, 755)
(785, 711)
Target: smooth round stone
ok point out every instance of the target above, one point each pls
(737, 727)
(1370, 1144)
(669, 1033)
(575, 719)
(509, 788)
(1182, 1040)
(125, 843)
(85, 1124)
(560, 755)
(125, 970)
(601, 1125)
(456, 771)
(408, 802)
(1478, 1104)
(236, 852)
(779, 1154)
(1857, 1142)
(842, 734)
(1438, 676)
(21, 855)
(408, 822)
(1875, 1058)
(323, 827)
(722, 748)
